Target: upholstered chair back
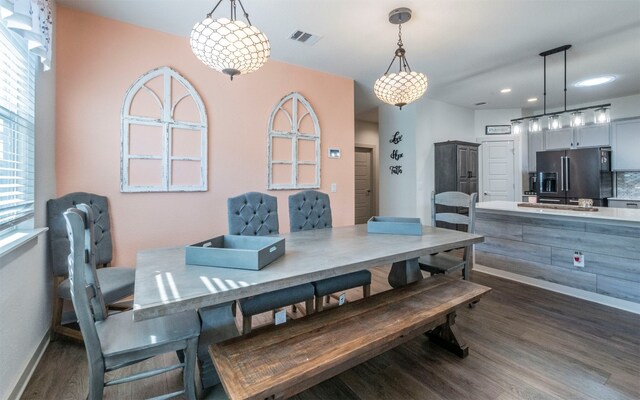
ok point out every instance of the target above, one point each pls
(309, 210)
(253, 214)
(58, 236)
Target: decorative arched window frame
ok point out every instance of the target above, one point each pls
(167, 123)
(295, 136)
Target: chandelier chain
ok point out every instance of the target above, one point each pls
(400, 44)
(246, 14)
(214, 8)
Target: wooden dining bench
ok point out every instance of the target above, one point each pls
(280, 361)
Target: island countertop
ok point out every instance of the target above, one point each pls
(616, 216)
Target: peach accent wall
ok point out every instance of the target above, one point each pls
(98, 59)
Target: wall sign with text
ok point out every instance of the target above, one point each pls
(395, 154)
(497, 130)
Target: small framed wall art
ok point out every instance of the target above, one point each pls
(497, 130)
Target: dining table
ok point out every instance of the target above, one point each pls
(166, 284)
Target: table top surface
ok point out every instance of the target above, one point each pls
(165, 284)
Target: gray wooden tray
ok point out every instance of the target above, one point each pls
(232, 251)
(395, 225)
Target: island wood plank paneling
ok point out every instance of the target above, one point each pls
(621, 288)
(516, 249)
(622, 246)
(545, 250)
(501, 230)
(526, 220)
(563, 276)
(601, 264)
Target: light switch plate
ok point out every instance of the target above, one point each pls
(334, 188)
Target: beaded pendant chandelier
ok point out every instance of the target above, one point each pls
(230, 46)
(405, 86)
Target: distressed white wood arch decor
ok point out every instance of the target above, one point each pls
(167, 124)
(299, 110)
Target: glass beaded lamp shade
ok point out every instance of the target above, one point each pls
(230, 46)
(405, 86)
(400, 88)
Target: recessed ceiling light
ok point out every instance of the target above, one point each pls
(506, 90)
(600, 80)
(532, 99)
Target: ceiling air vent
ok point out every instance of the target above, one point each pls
(304, 37)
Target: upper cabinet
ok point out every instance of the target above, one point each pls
(535, 143)
(625, 143)
(575, 138)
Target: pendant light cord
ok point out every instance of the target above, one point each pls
(233, 11)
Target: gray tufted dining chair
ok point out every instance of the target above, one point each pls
(116, 341)
(309, 210)
(117, 282)
(256, 214)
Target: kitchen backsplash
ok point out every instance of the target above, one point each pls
(628, 184)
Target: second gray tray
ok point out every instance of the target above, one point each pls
(395, 225)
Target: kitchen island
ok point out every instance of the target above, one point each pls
(540, 243)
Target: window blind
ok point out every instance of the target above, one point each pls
(17, 126)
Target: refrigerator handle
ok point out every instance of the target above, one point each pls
(566, 172)
(562, 173)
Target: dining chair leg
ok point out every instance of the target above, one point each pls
(56, 318)
(294, 308)
(328, 299)
(96, 382)
(189, 373)
(246, 324)
(319, 305)
(308, 305)
(366, 291)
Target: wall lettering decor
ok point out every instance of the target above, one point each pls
(395, 154)
(293, 147)
(164, 135)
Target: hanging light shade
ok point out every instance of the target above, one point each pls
(230, 46)
(405, 86)
(517, 127)
(555, 122)
(601, 115)
(577, 119)
(534, 125)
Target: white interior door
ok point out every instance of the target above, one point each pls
(498, 170)
(363, 184)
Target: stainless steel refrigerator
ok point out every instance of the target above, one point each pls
(564, 176)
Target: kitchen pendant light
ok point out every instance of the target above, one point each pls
(577, 118)
(601, 111)
(230, 46)
(555, 122)
(405, 86)
(517, 127)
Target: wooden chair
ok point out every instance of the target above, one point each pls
(309, 210)
(446, 263)
(117, 282)
(116, 341)
(256, 214)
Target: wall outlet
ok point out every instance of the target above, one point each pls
(342, 299)
(578, 259)
(281, 317)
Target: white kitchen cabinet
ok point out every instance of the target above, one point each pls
(535, 143)
(624, 204)
(558, 139)
(596, 135)
(625, 145)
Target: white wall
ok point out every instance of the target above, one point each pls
(25, 278)
(422, 124)
(437, 121)
(398, 192)
(367, 134)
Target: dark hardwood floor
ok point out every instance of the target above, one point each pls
(525, 343)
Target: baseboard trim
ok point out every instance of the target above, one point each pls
(22, 382)
(569, 291)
